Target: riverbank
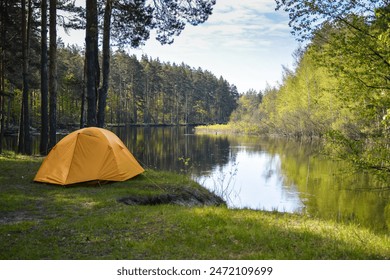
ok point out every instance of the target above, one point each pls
(39, 221)
(240, 129)
(215, 129)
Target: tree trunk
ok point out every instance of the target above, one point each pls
(2, 101)
(91, 41)
(44, 82)
(106, 64)
(134, 99)
(146, 102)
(2, 73)
(53, 74)
(24, 130)
(82, 118)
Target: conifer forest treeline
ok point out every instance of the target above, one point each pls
(142, 91)
(48, 85)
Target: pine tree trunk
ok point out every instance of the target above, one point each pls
(82, 109)
(44, 82)
(91, 41)
(106, 64)
(53, 74)
(134, 100)
(24, 130)
(2, 74)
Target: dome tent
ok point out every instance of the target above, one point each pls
(88, 154)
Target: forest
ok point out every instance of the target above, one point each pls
(339, 88)
(47, 85)
(142, 91)
(337, 91)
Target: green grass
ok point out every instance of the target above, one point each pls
(215, 129)
(39, 221)
(240, 128)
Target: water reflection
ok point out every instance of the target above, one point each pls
(253, 180)
(161, 148)
(263, 174)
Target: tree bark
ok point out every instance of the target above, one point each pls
(91, 42)
(2, 72)
(106, 64)
(24, 130)
(44, 82)
(82, 110)
(53, 74)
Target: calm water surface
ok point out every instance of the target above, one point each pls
(273, 175)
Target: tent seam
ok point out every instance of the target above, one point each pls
(71, 160)
(111, 149)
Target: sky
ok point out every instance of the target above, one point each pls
(246, 42)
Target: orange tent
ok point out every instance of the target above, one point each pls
(88, 154)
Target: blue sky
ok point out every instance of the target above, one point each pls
(245, 41)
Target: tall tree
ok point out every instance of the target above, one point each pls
(3, 34)
(133, 21)
(44, 82)
(24, 130)
(351, 40)
(91, 55)
(106, 64)
(53, 74)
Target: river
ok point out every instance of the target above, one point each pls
(264, 174)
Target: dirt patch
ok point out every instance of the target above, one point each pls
(186, 197)
(17, 217)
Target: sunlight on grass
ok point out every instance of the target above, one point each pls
(214, 129)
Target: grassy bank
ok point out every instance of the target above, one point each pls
(229, 128)
(39, 221)
(215, 129)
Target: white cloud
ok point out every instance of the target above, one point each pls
(245, 41)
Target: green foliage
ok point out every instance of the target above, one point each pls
(186, 164)
(162, 93)
(305, 106)
(340, 86)
(246, 114)
(141, 91)
(366, 154)
(307, 17)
